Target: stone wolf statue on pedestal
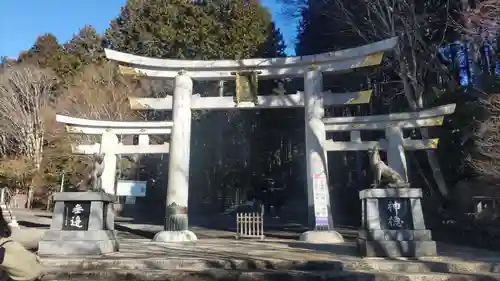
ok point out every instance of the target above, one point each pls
(382, 171)
(92, 177)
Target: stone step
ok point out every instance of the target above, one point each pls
(261, 275)
(422, 266)
(165, 263)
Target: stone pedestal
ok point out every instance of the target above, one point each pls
(393, 224)
(82, 225)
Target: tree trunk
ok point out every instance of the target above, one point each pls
(415, 100)
(435, 167)
(37, 158)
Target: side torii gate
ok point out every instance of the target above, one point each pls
(110, 145)
(393, 124)
(313, 99)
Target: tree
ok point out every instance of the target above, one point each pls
(184, 29)
(415, 59)
(25, 92)
(485, 158)
(274, 46)
(99, 92)
(481, 22)
(17, 171)
(86, 47)
(210, 30)
(46, 52)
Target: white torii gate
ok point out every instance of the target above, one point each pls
(110, 145)
(313, 99)
(392, 124)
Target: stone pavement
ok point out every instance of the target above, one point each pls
(273, 251)
(213, 258)
(268, 260)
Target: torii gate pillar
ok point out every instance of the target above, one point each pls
(176, 213)
(109, 141)
(320, 217)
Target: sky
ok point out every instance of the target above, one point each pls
(22, 21)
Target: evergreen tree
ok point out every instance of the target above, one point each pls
(86, 46)
(323, 27)
(185, 29)
(46, 52)
(274, 46)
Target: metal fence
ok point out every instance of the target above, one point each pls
(250, 224)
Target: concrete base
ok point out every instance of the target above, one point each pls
(321, 237)
(77, 248)
(396, 249)
(175, 236)
(90, 235)
(395, 235)
(78, 243)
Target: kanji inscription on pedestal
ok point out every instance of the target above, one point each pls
(395, 213)
(76, 216)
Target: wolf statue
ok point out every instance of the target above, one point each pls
(92, 177)
(383, 175)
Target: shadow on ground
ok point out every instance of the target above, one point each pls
(33, 224)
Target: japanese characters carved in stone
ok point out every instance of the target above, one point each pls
(76, 216)
(383, 175)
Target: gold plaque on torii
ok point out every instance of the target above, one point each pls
(247, 86)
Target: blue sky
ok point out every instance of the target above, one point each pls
(22, 21)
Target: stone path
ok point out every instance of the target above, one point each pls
(245, 248)
(277, 250)
(271, 259)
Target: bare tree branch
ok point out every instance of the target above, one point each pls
(486, 158)
(481, 23)
(412, 59)
(98, 92)
(25, 92)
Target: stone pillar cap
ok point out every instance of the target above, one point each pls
(84, 196)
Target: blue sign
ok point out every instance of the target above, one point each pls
(131, 188)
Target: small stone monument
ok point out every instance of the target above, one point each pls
(82, 224)
(83, 221)
(392, 223)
